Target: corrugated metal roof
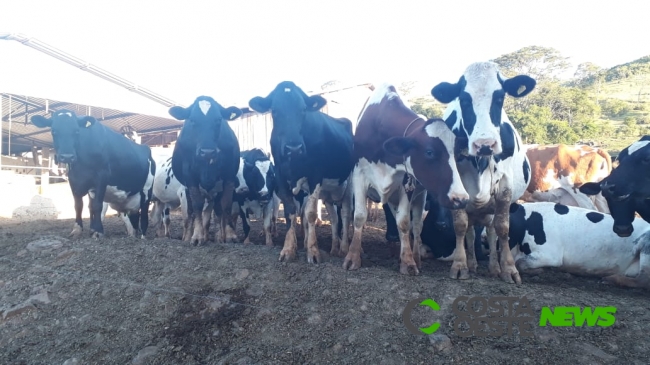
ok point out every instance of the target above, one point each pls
(20, 108)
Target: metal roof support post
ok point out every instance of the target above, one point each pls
(9, 130)
(1, 115)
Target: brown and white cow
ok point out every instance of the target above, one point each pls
(390, 141)
(557, 171)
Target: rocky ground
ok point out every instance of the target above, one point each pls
(160, 301)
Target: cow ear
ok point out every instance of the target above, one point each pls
(519, 86)
(41, 122)
(260, 104)
(399, 146)
(315, 103)
(179, 112)
(86, 122)
(445, 92)
(514, 207)
(231, 113)
(590, 188)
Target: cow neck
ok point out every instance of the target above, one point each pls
(410, 183)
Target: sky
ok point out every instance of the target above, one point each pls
(234, 50)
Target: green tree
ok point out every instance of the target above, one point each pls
(589, 75)
(430, 109)
(535, 61)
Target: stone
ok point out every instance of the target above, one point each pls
(18, 310)
(595, 351)
(243, 274)
(44, 244)
(145, 353)
(439, 342)
(72, 361)
(41, 297)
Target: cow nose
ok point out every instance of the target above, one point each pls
(207, 152)
(607, 188)
(441, 225)
(67, 157)
(623, 230)
(485, 147)
(295, 150)
(459, 203)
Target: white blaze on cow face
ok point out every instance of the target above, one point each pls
(204, 105)
(242, 188)
(263, 166)
(482, 82)
(636, 146)
(439, 130)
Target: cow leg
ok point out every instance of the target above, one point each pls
(334, 217)
(246, 225)
(167, 221)
(311, 215)
(144, 214)
(502, 225)
(186, 212)
(97, 205)
(459, 268)
(228, 233)
(267, 213)
(198, 202)
(78, 223)
(346, 214)
(470, 236)
(403, 217)
(156, 216)
(206, 218)
(235, 214)
(417, 210)
(360, 191)
(391, 225)
(290, 207)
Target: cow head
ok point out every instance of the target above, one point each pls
(65, 127)
(632, 176)
(203, 120)
(622, 210)
(260, 178)
(430, 152)
(289, 106)
(479, 95)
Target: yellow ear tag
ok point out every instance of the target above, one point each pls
(521, 89)
(88, 124)
(232, 115)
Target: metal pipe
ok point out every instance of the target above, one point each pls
(1, 115)
(9, 130)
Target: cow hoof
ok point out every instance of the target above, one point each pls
(287, 255)
(494, 269)
(97, 235)
(352, 261)
(511, 275)
(459, 271)
(76, 232)
(269, 242)
(313, 256)
(247, 241)
(335, 252)
(392, 238)
(472, 265)
(409, 268)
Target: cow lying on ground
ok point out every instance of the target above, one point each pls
(392, 143)
(491, 160)
(579, 241)
(206, 161)
(105, 165)
(558, 170)
(626, 189)
(168, 194)
(254, 192)
(313, 153)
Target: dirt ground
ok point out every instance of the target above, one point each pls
(160, 301)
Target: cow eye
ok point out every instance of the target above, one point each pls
(430, 154)
(646, 160)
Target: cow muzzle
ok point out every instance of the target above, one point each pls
(623, 230)
(609, 191)
(67, 157)
(294, 150)
(485, 146)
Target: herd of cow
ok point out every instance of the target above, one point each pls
(446, 184)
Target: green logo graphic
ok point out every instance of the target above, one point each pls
(406, 316)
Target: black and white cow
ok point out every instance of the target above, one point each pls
(206, 161)
(168, 194)
(539, 238)
(626, 189)
(254, 192)
(105, 165)
(492, 164)
(312, 152)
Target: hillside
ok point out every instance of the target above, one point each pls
(608, 107)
